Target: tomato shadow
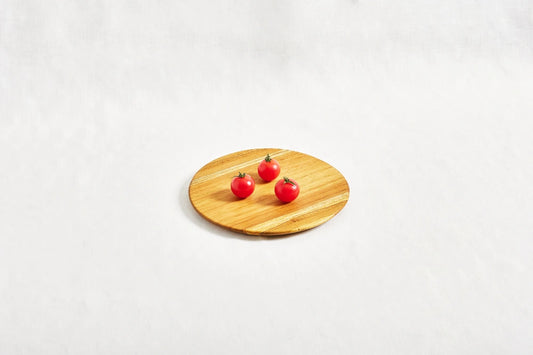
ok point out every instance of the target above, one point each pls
(257, 179)
(270, 200)
(224, 195)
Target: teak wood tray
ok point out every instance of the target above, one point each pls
(323, 193)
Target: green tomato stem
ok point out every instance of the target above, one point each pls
(288, 181)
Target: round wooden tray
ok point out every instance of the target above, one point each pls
(323, 193)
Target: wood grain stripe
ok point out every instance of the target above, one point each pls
(287, 217)
(234, 168)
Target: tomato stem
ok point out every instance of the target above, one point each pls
(288, 181)
(268, 159)
(241, 175)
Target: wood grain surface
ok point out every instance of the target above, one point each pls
(323, 193)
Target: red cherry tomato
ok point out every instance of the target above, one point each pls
(242, 185)
(286, 189)
(268, 169)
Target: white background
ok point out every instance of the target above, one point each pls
(108, 108)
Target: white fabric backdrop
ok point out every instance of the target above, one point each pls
(107, 109)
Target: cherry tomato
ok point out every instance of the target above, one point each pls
(242, 185)
(268, 169)
(286, 189)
